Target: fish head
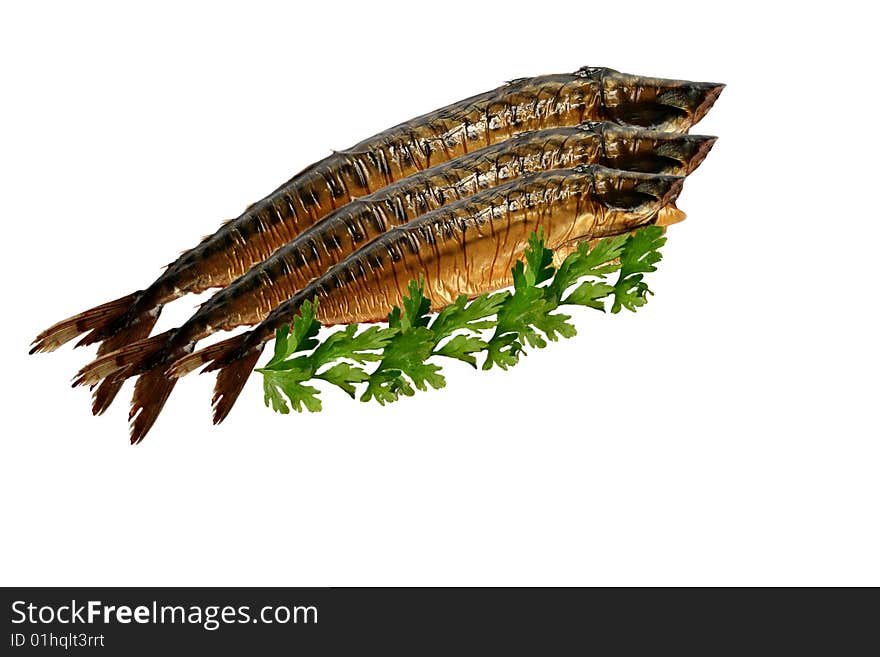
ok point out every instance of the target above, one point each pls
(656, 103)
(630, 199)
(651, 151)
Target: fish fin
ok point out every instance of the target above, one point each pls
(151, 391)
(186, 364)
(93, 320)
(670, 215)
(106, 392)
(234, 360)
(150, 394)
(230, 382)
(124, 362)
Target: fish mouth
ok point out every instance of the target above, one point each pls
(657, 103)
(691, 101)
(711, 92)
(651, 151)
(688, 151)
(665, 189)
(635, 192)
(705, 145)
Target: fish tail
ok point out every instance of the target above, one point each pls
(186, 364)
(234, 359)
(124, 362)
(150, 394)
(151, 391)
(94, 320)
(230, 382)
(106, 392)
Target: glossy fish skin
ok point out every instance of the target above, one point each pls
(450, 248)
(521, 105)
(251, 297)
(653, 102)
(490, 118)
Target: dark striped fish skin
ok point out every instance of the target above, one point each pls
(471, 124)
(248, 300)
(251, 297)
(470, 247)
(450, 247)
(521, 105)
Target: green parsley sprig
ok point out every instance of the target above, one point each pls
(498, 326)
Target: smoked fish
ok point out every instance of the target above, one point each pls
(250, 298)
(525, 104)
(468, 247)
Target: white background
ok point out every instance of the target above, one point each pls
(726, 434)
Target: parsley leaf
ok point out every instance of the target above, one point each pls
(344, 376)
(595, 262)
(527, 313)
(403, 360)
(283, 376)
(539, 260)
(590, 294)
(472, 316)
(416, 308)
(300, 338)
(462, 347)
(523, 318)
(278, 384)
(639, 256)
(347, 343)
